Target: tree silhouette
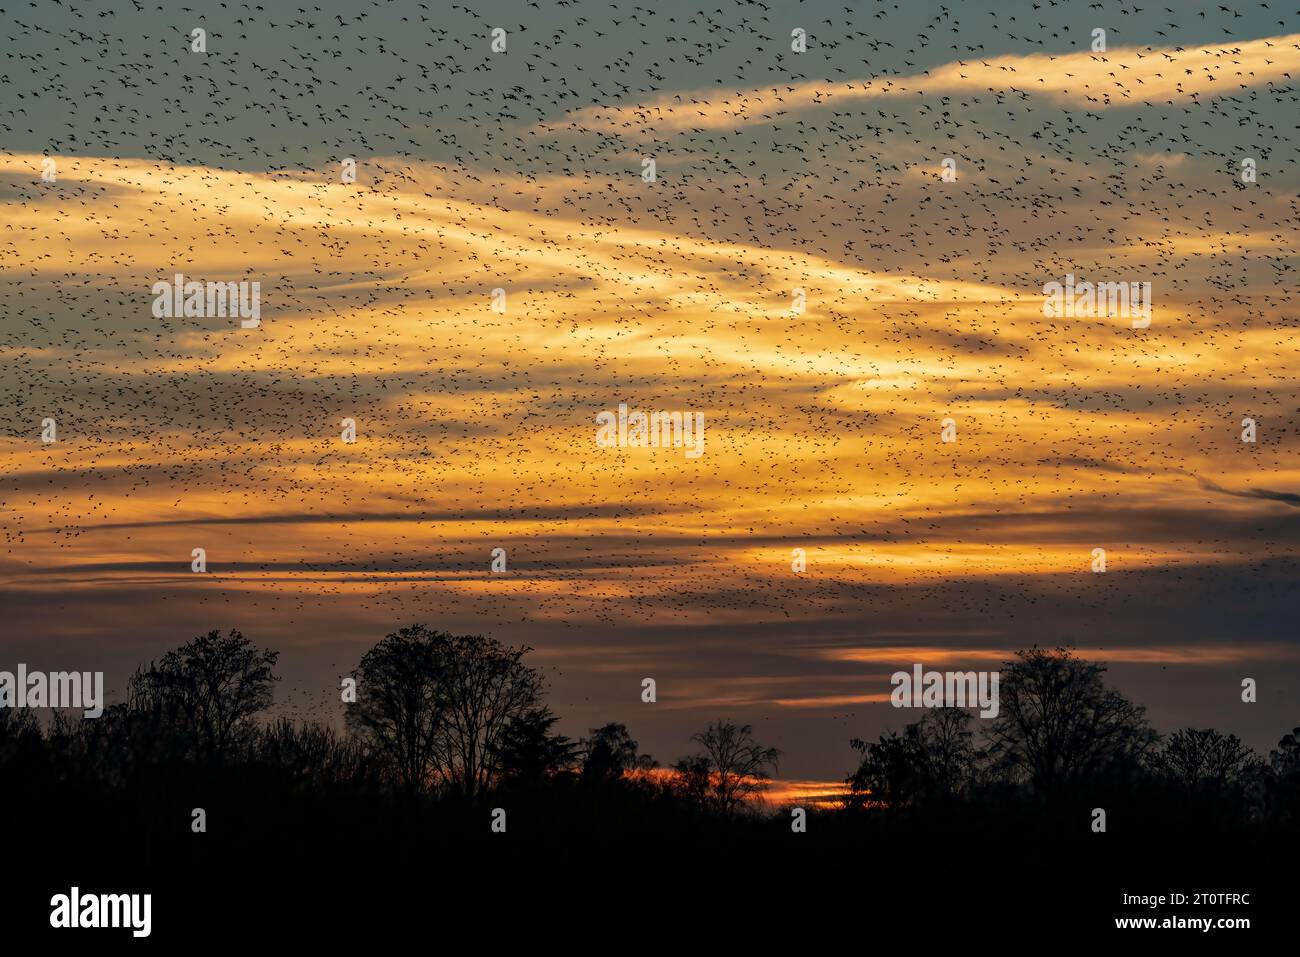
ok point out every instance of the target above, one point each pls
(1204, 760)
(399, 703)
(737, 765)
(209, 688)
(886, 773)
(609, 753)
(310, 756)
(692, 780)
(934, 759)
(403, 779)
(529, 752)
(439, 705)
(20, 735)
(484, 686)
(1059, 724)
(1284, 784)
(125, 743)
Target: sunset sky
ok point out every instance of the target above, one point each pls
(477, 429)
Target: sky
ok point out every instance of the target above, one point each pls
(774, 172)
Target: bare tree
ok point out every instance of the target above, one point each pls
(1204, 760)
(484, 686)
(945, 743)
(1059, 724)
(933, 759)
(439, 706)
(311, 756)
(737, 764)
(399, 703)
(210, 688)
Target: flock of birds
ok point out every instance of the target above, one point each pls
(440, 120)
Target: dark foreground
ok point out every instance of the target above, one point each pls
(284, 875)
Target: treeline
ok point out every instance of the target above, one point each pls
(1064, 739)
(440, 728)
(437, 727)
